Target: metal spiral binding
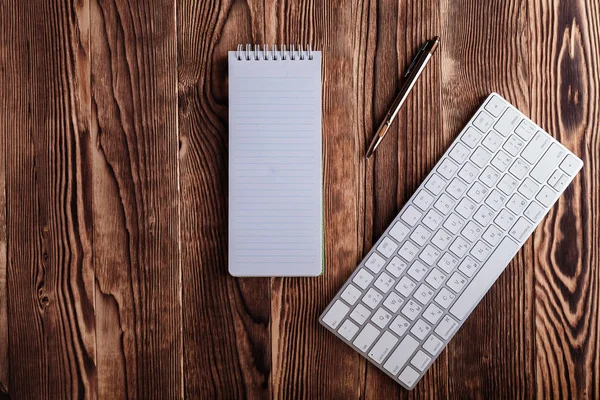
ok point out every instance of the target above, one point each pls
(273, 54)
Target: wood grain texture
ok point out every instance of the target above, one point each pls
(114, 188)
(225, 320)
(493, 353)
(50, 271)
(565, 100)
(136, 199)
(6, 106)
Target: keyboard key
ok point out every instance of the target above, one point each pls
(400, 325)
(468, 266)
(536, 147)
(405, 286)
(448, 262)
(454, 223)
(505, 219)
(348, 329)
(417, 271)
(570, 165)
(384, 282)
(508, 121)
(495, 106)
(381, 318)
(441, 239)
(420, 235)
(429, 255)
(396, 266)
(436, 278)
(528, 188)
(492, 235)
(553, 180)
(336, 314)
(444, 204)
(399, 231)
(519, 168)
(445, 297)
(372, 298)
(411, 310)
(471, 137)
(534, 212)
(420, 360)
(423, 294)
(400, 356)
(516, 203)
(546, 196)
(521, 229)
(408, 251)
(459, 247)
(513, 145)
(433, 345)
(483, 215)
(465, 208)
(411, 215)
(472, 231)
(435, 184)
(351, 294)
(489, 176)
(456, 188)
(446, 327)
(456, 282)
(420, 329)
(481, 251)
(480, 157)
(459, 153)
(409, 376)
(483, 121)
(468, 172)
(507, 184)
(477, 192)
(563, 182)
(492, 141)
(423, 199)
(433, 219)
(360, 314)
(525, 130)
(547, 163)
(487, 275)
(366, 337)
(393, 302)
(382, 348)
(501, 161)
(433, 313)
(362, 278)
(495, 200)
(387, 247)
(375, 262)
(447, 168)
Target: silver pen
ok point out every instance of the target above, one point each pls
(412, 74)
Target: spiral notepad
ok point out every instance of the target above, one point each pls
(275, 173)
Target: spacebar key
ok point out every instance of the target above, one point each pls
(485, 278)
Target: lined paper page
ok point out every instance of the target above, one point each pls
(275, 178)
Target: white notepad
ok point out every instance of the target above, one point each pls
(275, 173)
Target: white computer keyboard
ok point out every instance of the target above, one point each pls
(451, 241)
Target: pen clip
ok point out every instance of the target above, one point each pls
(414, 60)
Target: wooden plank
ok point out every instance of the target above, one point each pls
(309, 362)
(485, 49)
(135, 199)
(50, 270)
(6, 108)
(565, 78)
(226, 320)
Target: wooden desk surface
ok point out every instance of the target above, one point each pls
(113, 193)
